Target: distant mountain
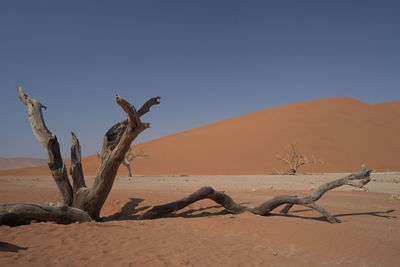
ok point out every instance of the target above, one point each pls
(343, 132)
(13, 163)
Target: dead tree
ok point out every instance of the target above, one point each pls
(116, 144)
(129, 157)
(82, 203)
(295, 160)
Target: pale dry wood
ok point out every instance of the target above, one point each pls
(76, 165)
(146, 106)
(129, 157)
(13, 214)
(50, 144)
(116, 144)
(357, 180)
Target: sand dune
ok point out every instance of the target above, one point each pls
(343, 132)
(13, 163)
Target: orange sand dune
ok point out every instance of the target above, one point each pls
(343, 132)
(13, 163)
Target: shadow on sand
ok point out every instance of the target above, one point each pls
(8, 247)
(381, 214)
(130, 212)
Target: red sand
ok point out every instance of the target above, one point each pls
(204, 235)
(13, 163)
(343, 132)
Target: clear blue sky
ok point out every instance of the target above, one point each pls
(208, 60)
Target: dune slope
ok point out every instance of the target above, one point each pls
(13, 163)
(342, 132)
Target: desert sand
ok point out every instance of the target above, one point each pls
(235, 156)
(14, 163)
(342, 132)
(203, 234)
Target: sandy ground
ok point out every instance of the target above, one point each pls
(203, 234)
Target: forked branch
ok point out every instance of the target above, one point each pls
(149, 103)
(117, 142)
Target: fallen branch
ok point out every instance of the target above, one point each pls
(13, 214)
(357, 180)
(17, 213)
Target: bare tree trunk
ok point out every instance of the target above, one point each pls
(116, 144)
(128, 166)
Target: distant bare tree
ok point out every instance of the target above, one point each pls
(295, 159)
(129, 157)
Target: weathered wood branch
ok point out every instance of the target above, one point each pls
(203, 193)
(117, 142)
(127, 164)
(129, 157)
(146, 106)
(13, 214)
(35, 117)
(357, 180)
(50, 143)
(324, 213)
(76, 165)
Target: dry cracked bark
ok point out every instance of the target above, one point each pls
(82, 203)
